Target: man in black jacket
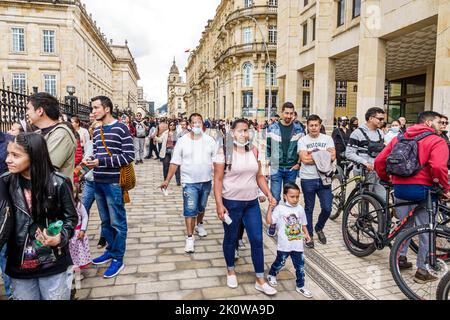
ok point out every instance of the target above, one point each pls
(4, 140)
(341, 136)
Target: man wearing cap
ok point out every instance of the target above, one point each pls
(341, 136)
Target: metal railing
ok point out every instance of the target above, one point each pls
(242, 49)
(13, 108)
(263, 10)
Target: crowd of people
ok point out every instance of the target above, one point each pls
(46, 164)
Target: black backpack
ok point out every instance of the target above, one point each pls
(403, 161)
(374, 148)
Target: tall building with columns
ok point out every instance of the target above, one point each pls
(232, 72)
(54, 44)
(365, 53)
(176, 89)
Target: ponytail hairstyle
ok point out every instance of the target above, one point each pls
(41, 169)
(231, 142)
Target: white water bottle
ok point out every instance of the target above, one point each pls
(228, 220)
(165, 192)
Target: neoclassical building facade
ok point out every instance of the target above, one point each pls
(176, 89)
(54, 44)
(232, 72)
(357, 54)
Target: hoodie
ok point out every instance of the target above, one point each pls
(433, 151)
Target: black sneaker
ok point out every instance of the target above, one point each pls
(322, 238)
(101, 243)
(403, 263)
(310, 244)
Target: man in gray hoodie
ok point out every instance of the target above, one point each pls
(366, 143)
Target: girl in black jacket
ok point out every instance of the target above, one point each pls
(39, 265)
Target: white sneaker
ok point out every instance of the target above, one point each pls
(266, 289)
(241, 245)
(232, 282)
(305, 292)
(272, 280)
(190, 242)
(200, 229)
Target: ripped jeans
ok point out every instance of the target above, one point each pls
(298, 259)
(195, 198)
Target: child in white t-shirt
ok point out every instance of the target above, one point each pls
(291, 222)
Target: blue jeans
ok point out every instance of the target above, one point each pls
(195, 198)
(88, 198)
(408, 193)
(55, 287)
(114, 218)
(280, 178)
(249, 213)
(6, 279)
(310, 189)
(298, 259)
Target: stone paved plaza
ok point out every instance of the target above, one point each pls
(158, 268)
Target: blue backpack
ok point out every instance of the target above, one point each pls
(403, 161)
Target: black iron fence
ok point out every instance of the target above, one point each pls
(13, 107)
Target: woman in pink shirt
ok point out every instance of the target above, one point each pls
(237, 177)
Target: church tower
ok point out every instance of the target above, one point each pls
(176, 89)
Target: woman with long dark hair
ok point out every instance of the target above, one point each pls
(237, 176)
(168, 141)
(39, 261)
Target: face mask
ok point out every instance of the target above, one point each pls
(239, 144)
(395, 129)
(197, 131)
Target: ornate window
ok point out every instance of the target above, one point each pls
(271, 74)
(18, 37)
(48, 41)
(248, 3)
(50, 84)
(248, 35)
(19, 82)
(247, 70)
(273, 34)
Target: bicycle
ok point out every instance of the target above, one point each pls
(435, 258)
(443, 290)
(368, 223)
(340, 183)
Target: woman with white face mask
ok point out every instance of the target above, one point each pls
(394, 130)
(237, 176)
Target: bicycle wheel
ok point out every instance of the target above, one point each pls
(413, 288)
(339, 194)
(443, 291)
(362, 218)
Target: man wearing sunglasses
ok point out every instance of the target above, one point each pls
(366, 143)
(443, 133)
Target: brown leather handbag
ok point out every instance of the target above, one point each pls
(127, 174)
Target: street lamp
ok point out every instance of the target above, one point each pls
(70, 90)
(269, 104)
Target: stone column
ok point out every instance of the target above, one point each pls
(442, 77)
(429, 88)
(372, 62)
(324, 68)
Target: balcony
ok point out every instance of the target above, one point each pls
(254, 11)
(245, 49)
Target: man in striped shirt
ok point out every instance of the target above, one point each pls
(113, 148)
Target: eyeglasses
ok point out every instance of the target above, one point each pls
(379, 119)
(444, 123)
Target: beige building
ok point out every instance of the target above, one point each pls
(51, 45)
(392, 54)
(176, 89)
(229, 74)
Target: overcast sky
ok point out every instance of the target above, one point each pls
(156, 32)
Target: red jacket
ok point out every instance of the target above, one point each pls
(433, 151)
(78, 159)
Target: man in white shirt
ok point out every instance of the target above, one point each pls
(194, 152)
(311, 182)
